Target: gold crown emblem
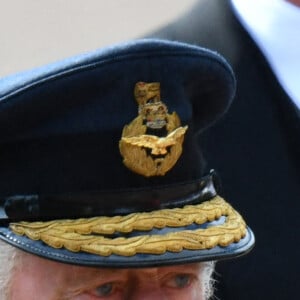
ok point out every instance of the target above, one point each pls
(152, 143)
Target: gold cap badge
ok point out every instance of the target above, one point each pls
(152, 143)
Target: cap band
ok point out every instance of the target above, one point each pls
(43, 207)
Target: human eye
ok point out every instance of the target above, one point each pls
(179, 281)
(105, 291)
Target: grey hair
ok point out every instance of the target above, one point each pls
(208, 281)
(11, 258)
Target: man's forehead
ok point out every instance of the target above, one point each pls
(69, 280)
(46, 265)
(37, 276)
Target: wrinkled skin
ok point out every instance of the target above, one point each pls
(38, 278)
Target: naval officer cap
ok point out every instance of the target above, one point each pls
(100, 163)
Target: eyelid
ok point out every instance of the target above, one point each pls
(170, 280)
(112, 288)
(105, 289)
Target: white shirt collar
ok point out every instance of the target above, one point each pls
(275, 27)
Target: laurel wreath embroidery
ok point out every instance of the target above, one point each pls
(92, 235)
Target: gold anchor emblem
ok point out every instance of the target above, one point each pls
(152, 143)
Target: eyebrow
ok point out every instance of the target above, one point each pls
(93, 277)
(77, 284)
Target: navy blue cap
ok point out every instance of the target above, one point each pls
(71, 132)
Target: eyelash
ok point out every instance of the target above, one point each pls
(107, 289)
(171, 281)
(176, 281)
(115, 288)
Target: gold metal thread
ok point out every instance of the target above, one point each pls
(88, 235)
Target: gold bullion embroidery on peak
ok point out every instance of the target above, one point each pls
(152, 143)
(97, 235)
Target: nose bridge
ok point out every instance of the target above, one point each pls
(147, 294)
(146, 285)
